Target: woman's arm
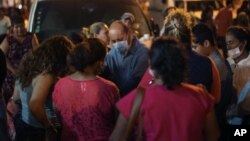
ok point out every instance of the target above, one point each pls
(120, 129)
(212, 132)
(16, 102)
(42, 86)
(5, 47)
(35, 42)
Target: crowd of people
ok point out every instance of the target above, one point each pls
(104, 84)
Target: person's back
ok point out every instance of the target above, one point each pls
(172, 115)
(223, 21)
(200, 70)
(26, 114)
(85, 101)
(86, 107)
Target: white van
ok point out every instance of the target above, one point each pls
(51, 17)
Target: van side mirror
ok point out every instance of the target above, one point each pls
(155, 27)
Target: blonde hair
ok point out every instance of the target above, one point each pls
(181, 16)
(178, 24)
(93, 29)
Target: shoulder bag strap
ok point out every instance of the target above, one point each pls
(135, 112)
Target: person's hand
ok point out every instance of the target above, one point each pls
(51, 133)
(232, 111)
(202, 86)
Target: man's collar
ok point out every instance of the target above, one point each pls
(133, 47)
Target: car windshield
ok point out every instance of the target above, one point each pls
(62, 17)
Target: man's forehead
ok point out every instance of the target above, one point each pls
(115, 33)
(117, 26)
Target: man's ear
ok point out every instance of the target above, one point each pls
(206, 43)
(130, 38)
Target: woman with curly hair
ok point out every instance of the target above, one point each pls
(171, 109)
(85, 101)
(37, 74)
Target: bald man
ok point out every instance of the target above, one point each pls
(127, 60)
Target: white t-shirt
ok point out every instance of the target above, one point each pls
(5, 23)
(245, 62)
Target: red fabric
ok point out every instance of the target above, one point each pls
(216, 85)
(177, 115)
(223, 21)
(86, 108)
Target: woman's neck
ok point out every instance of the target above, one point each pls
(19, 38)
(83, 76)
(158, 81)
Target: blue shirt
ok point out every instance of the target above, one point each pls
(26, 115)
(237, 120)
(227, 92)
(126, 68)
(221, 64)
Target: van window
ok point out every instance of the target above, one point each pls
(62, 17)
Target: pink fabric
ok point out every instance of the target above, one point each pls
(177, 115)
(86, 108)
(145, 81)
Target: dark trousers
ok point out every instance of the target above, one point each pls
(4, 135)
(25, 132)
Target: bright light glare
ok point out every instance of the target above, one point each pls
(20, 6)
